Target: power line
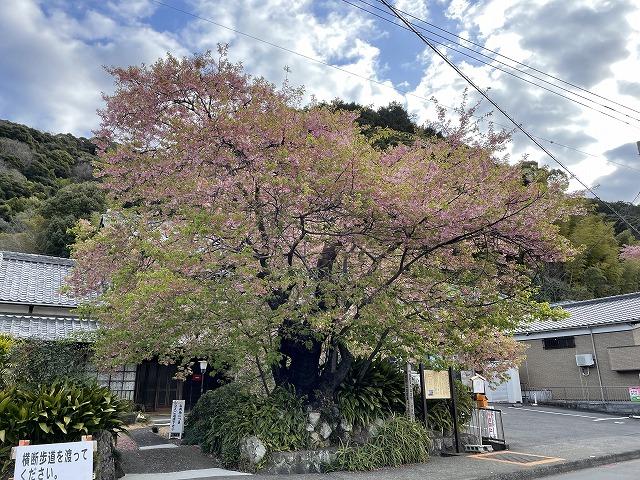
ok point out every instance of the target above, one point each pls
(397, 90)
(496, 60)
(491, 65)
(501, 110)
(507, 57)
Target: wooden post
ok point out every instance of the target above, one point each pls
(21, 443)
(423, 392)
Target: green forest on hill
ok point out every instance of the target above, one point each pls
(47, 185)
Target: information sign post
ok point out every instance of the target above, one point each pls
(176, 426)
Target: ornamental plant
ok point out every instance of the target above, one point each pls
(255, 232)
(61, 412)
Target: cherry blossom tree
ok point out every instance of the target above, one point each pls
(250, 229)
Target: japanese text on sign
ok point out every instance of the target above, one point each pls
(54, 461)
(634, 394)
(176, 426)
(492, 426)
(437, 384)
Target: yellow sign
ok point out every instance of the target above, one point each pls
(436, 384)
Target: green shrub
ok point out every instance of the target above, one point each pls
(398, 442)
(223, 417)
(61, 412)
(439, 412)
(39, 362)
(5, 346)
(213, 404)
(379, 393)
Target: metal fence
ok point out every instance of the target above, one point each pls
(485, 426)
(585, 393)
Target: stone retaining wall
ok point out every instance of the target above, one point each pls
(303, 461)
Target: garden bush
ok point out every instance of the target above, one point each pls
(5, 346)
(225, 416)
(61, 412)
(398, 441)
(376, 394)
(30, 363)
(214, 403)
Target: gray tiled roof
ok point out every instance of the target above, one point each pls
(590, 313)
(34, 279)
(44, 328)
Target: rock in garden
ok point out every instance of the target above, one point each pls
(345, 425)
(314, 418)
(325, 430)
(316, 439)
(252, 449)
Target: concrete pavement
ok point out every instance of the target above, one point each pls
(149, 456)
(614, 471)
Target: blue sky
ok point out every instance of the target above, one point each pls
(52, 54)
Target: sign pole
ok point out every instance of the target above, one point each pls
(454, 409)
(408, 393)
(423, 392)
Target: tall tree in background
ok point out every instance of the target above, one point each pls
(248, 229)
(597, 270)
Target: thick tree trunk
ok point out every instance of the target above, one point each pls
(302, 367)
(302, 348)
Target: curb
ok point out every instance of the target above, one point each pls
(571, 466)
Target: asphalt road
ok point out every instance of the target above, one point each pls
(615, 471)
(568, 433)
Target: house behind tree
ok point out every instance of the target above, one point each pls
(592, 355)
(33, 305)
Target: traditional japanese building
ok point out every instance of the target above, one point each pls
(33, 305)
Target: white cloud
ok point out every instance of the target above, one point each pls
(336, 39)
(417, 8)
(52, 75)
(51, 59)
(589, 42)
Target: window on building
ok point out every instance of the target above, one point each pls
(558, 342)
(120, 380)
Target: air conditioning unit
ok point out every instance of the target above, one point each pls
(585, 360)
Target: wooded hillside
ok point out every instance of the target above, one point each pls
(46, 185)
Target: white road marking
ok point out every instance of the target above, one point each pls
(610, 418)
(619, 423)
(555, 413)
(156, 447)
(595, 419)
(184, 475)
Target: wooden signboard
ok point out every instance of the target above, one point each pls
(436, 384)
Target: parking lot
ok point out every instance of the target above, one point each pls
(568, 433)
